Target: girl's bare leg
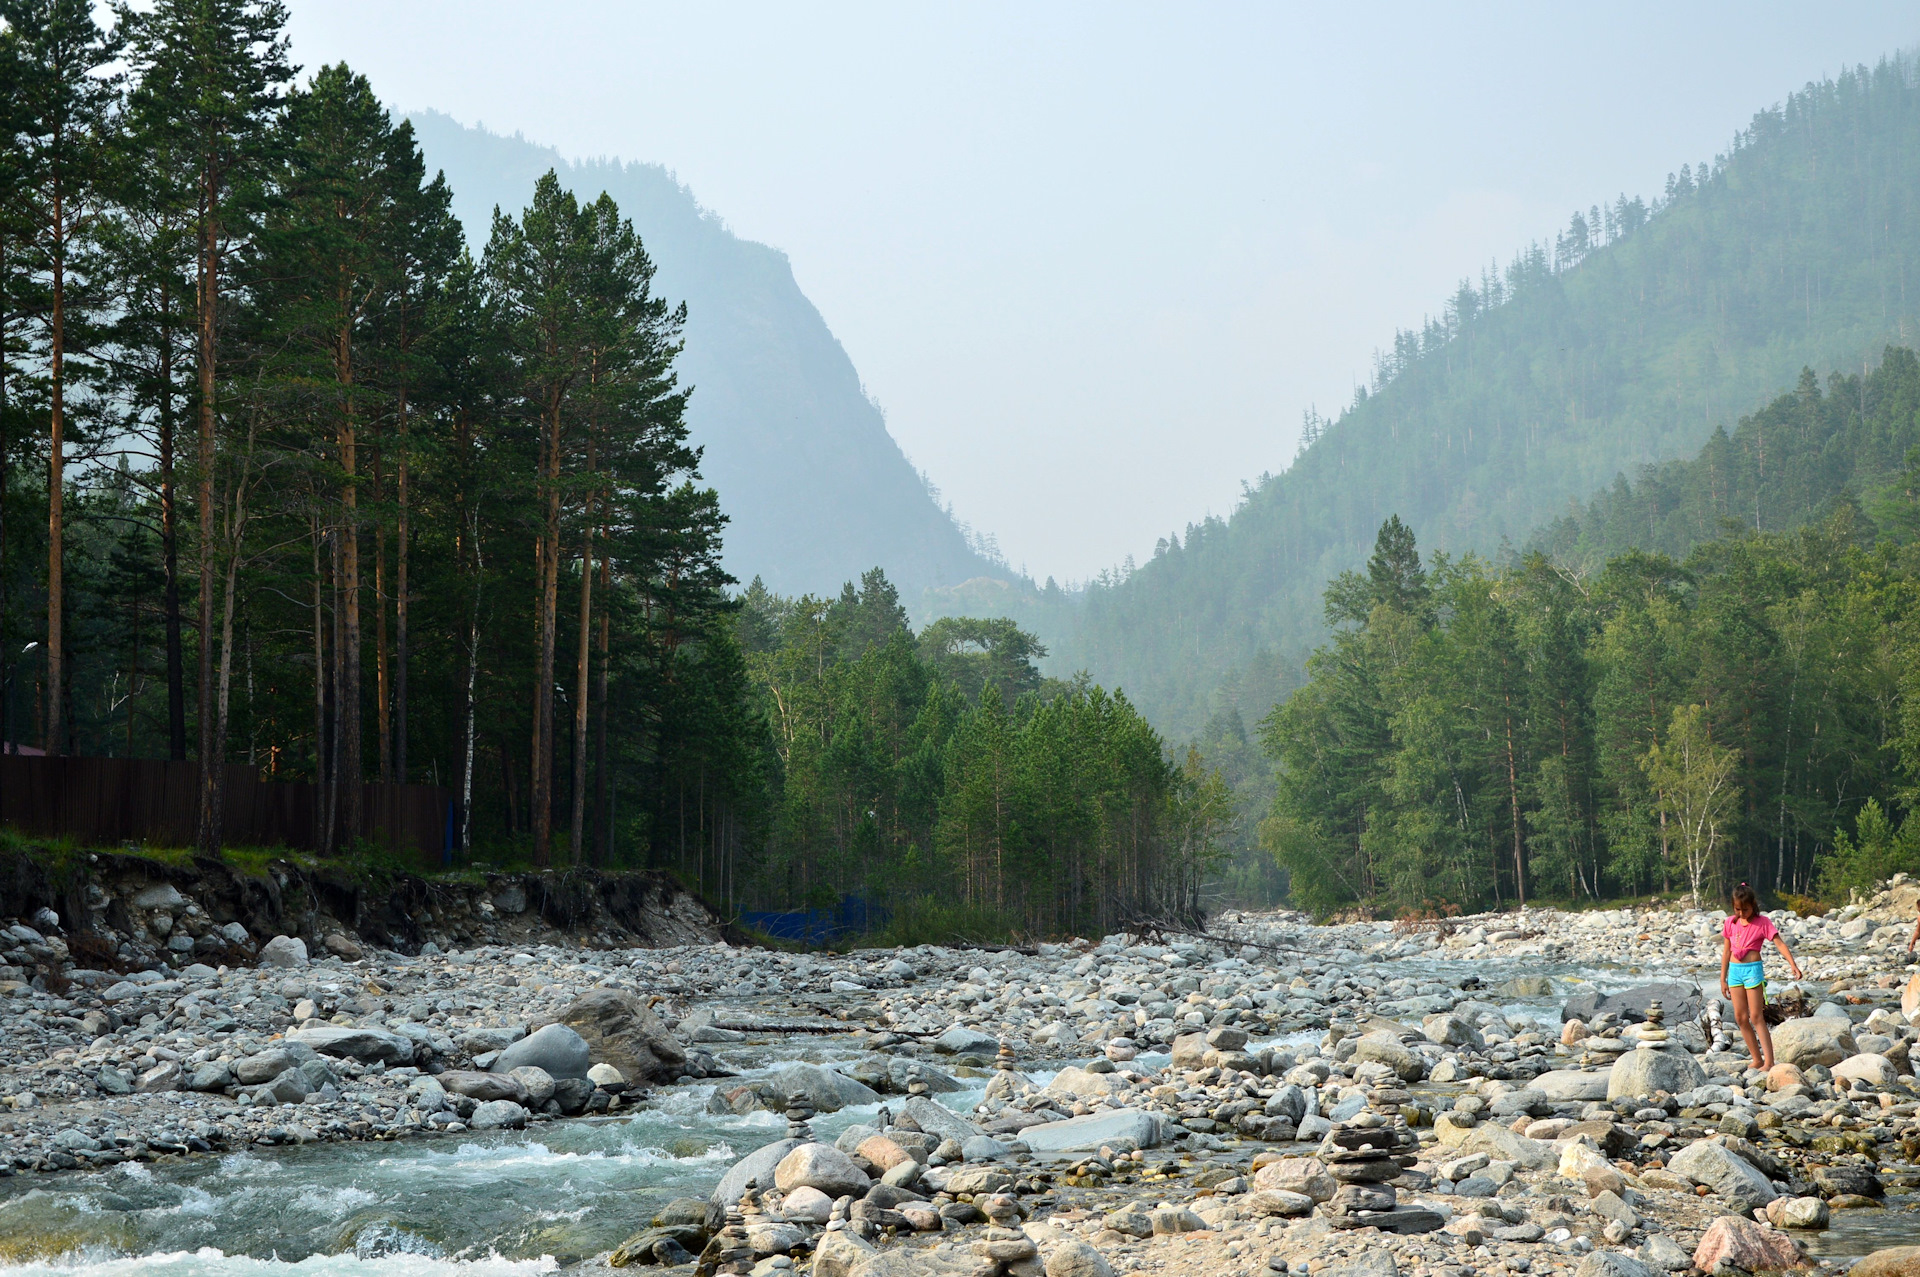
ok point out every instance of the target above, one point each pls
(1757, 1009)
(1743, 1017)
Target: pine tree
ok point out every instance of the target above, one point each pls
(208, 79)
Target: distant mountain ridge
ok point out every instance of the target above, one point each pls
(1624, 343)
(816, 488)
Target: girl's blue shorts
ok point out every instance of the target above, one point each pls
(1746, 975)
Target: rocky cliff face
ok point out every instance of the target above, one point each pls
(128, 912)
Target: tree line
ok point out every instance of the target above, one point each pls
(940, 773)
(291, 476)
(1476, 735)
(288, 475)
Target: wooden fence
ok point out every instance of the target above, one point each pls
(116, 800)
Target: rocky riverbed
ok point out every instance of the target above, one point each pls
(1274, 1097)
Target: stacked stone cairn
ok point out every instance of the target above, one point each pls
(1653, 1034)
(1006, 1251)
(1364, 1160)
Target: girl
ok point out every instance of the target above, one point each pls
(1742, 979)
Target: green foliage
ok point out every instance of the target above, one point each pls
(1623, 342)
(1534, 731)
(948, 784)
(1876, 851)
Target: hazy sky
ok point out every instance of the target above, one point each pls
(1094, 260)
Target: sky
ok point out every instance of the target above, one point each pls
(1095, 260)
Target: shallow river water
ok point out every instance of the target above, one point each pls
(532, 1201)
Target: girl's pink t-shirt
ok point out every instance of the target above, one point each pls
(1744, 937)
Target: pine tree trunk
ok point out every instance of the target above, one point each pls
(170, 554)
(319, 696)
(383, 689)
(351, 766)
(208, 837)
(576, 847)
(602, 815)
(400, 607)
(541, 798)
(56, 493)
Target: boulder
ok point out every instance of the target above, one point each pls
(978, 1180)
(1498, 1143)
(1663, 1254)
(826, 1090)
(263, 1066)
(556, 1048)
(572, 1094)
(820, 1166)
(1641, 1072)
(1564, 1086)
(343, 948)
(883, 1152)
(1738, 1242)
(1144, 1129)
(903, 1071)
(1075, 1258)
(807, 1206)
(1681, 1002)
(1079, 1082)
(290, 1087)
(481, 1086)
(1306, 1177)
(1384, 1047)
(1450, 1030)
(537, 1081)
(1733, 1179)
(840, 1253)
(942, 1122)
(1188, 1050)
(1613, 1263)
(284, 951)
(364, 1045)
(1866, 1067)
(164, 1076)
(1278, 1201)
(497, 1115)
(960, 1040)
(754, 1170)
(1288, 1101)
(214, 1075)
(620, 1029)
(1894, 1261)
(1811, 1040)
(1797, 1212)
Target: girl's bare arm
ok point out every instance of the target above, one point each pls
(1726, 956)
(1781, 944)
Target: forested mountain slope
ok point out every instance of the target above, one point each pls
(1621, 344)
(816, 488)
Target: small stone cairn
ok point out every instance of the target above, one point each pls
(1363, 1159)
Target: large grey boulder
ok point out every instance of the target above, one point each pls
(1567, 1085)
(820, 1166)
(1679, 1001)
(290, 1087)
(1731, 1177)
(482, 1086)
(620, 1029)
(755, 1170)
(1641, 1072)
(1614, 1263)
(960, 1040)
(1142, 1128)
(1451, 1030)
(1811, 1040)
(826, 1090)
(903, 1072)
(284, 951)
(556, 1048)
(365, 1045)
(497, 1115)
(942, 1122)
(1079, 1082)
(1385, 1047)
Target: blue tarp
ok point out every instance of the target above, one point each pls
(853, 916)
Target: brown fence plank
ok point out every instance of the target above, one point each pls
(112, 800)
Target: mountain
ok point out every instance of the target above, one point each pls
(816, 488)
(1621, 344)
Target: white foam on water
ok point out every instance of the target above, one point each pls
(210, 1262)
